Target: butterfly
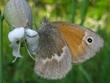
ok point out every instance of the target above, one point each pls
(62, 44)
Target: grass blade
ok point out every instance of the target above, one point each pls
(1, 48)
(84, 8)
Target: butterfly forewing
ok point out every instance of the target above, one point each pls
(78, 39)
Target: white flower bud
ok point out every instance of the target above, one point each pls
(18, 13)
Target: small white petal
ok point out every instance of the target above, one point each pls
(32, 41)
(16, 34)
(31, 32)
(16, 49)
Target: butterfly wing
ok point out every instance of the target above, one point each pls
(82, 42)
(53, 56)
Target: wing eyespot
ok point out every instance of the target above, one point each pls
(89, 40)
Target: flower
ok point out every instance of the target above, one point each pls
(18, 14)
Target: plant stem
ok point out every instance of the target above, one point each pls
(1, 48)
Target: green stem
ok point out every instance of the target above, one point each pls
(1, 48)
(33, 58)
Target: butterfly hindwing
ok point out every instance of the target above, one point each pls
(53, 55)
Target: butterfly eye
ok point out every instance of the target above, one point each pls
(89, 40)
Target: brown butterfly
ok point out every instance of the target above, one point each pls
(60, 45)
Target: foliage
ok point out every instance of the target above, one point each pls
(90, 13)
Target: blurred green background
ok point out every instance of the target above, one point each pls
(94, 14)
